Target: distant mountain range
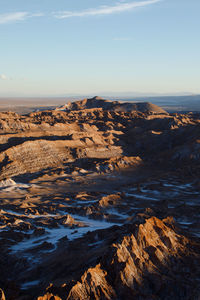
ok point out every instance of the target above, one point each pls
(184, 103)
(170, 103)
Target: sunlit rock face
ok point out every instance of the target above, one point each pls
(2, 296)
(148, 260)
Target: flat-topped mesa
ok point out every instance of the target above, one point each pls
(97, 102)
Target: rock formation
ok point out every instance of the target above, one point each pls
(98, 102)
(2, 296)
(50, 139)
(147, 262)
(100, 200)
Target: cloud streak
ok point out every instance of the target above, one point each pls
(20, 16)
(17, 17)
(3, 77)
(105, 10)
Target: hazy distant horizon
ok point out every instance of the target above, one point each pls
(174, 103)
(100, 94)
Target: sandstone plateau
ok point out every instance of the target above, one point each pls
(99, 200)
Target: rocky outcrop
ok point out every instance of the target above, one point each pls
(110, 200)
(118, 163)
(150, 261)
(98, 102)
(93, 285)
(2, 296)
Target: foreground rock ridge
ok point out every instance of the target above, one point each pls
(99, 200)
(146, 262)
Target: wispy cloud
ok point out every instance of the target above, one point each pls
(105, 10)
(17, 16)
(4, 77)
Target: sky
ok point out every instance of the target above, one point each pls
(65, 47)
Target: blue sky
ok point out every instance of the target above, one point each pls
(56, 48)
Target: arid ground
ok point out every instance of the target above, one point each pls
(100, 200)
